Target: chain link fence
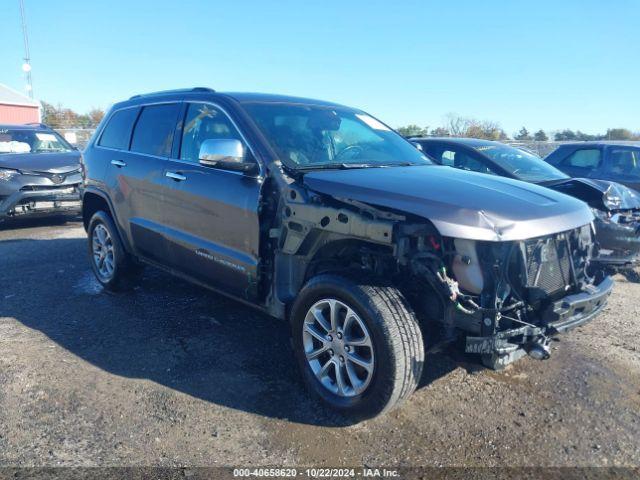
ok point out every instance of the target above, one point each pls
(78, 137)
(541, 149)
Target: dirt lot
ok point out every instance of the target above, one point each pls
(173, 375)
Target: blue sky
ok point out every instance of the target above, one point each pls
(544, 64)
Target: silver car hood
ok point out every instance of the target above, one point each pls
(460, 204)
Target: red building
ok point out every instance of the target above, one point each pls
(16, 108)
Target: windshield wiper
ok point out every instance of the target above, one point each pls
(409, 164)
(339, 166)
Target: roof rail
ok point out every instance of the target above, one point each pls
(38, 124)
(178, 90)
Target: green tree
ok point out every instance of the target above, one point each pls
(585, 137)
(49, 114)
(523, 134)
(565, 135)
(412, 131)
(540, 136)
(619, 134)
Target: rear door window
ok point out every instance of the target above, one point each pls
(117, 133)
(586, 158)
(153, 133)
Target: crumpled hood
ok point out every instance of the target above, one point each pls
(460, 204)
(621, 196)
(41, 162)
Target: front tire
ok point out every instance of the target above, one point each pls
(112, 266)
(359, 346)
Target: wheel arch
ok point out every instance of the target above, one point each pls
(334, 255)
(94, 200)
(323, 253)
(91, 203)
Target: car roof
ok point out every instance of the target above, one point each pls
(597, 143)
(204, 93)
(247, 97)
(469, 142)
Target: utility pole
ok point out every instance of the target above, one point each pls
(26, 66)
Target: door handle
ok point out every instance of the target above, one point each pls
(118, 163)
(175, 176)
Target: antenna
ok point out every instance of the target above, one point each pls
(26, 66)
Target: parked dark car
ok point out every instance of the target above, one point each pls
(39, 172)
(614, 161)
(616, 207)
(322, 215)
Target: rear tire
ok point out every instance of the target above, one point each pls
(113, 267)
(374, 350)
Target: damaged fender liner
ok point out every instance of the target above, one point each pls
(563, 315)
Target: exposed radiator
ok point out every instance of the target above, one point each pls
(548, 264)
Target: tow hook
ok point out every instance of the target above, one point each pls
(539, 350)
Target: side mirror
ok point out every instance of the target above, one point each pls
(418, 146)
(227, 154)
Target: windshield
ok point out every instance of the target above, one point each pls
(311, 136)
(521, 164)
(31, 141)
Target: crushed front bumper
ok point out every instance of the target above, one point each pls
(561, 316)
(42, 201)
(575, 310)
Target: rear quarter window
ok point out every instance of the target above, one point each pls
(118, 130)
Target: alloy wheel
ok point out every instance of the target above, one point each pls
(338, 347)
(103, 253)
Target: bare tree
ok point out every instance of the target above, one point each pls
(440, 132)
(456, 125)
(95, 116)
(459, 126)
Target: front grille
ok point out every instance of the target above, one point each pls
(548, 264)
(39, 188)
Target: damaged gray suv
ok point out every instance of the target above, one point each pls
(321, 215)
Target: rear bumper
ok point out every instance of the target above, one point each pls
(561, 316)
(42, 202)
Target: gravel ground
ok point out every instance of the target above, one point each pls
(170, 374)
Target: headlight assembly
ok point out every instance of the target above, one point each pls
(6, 175)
